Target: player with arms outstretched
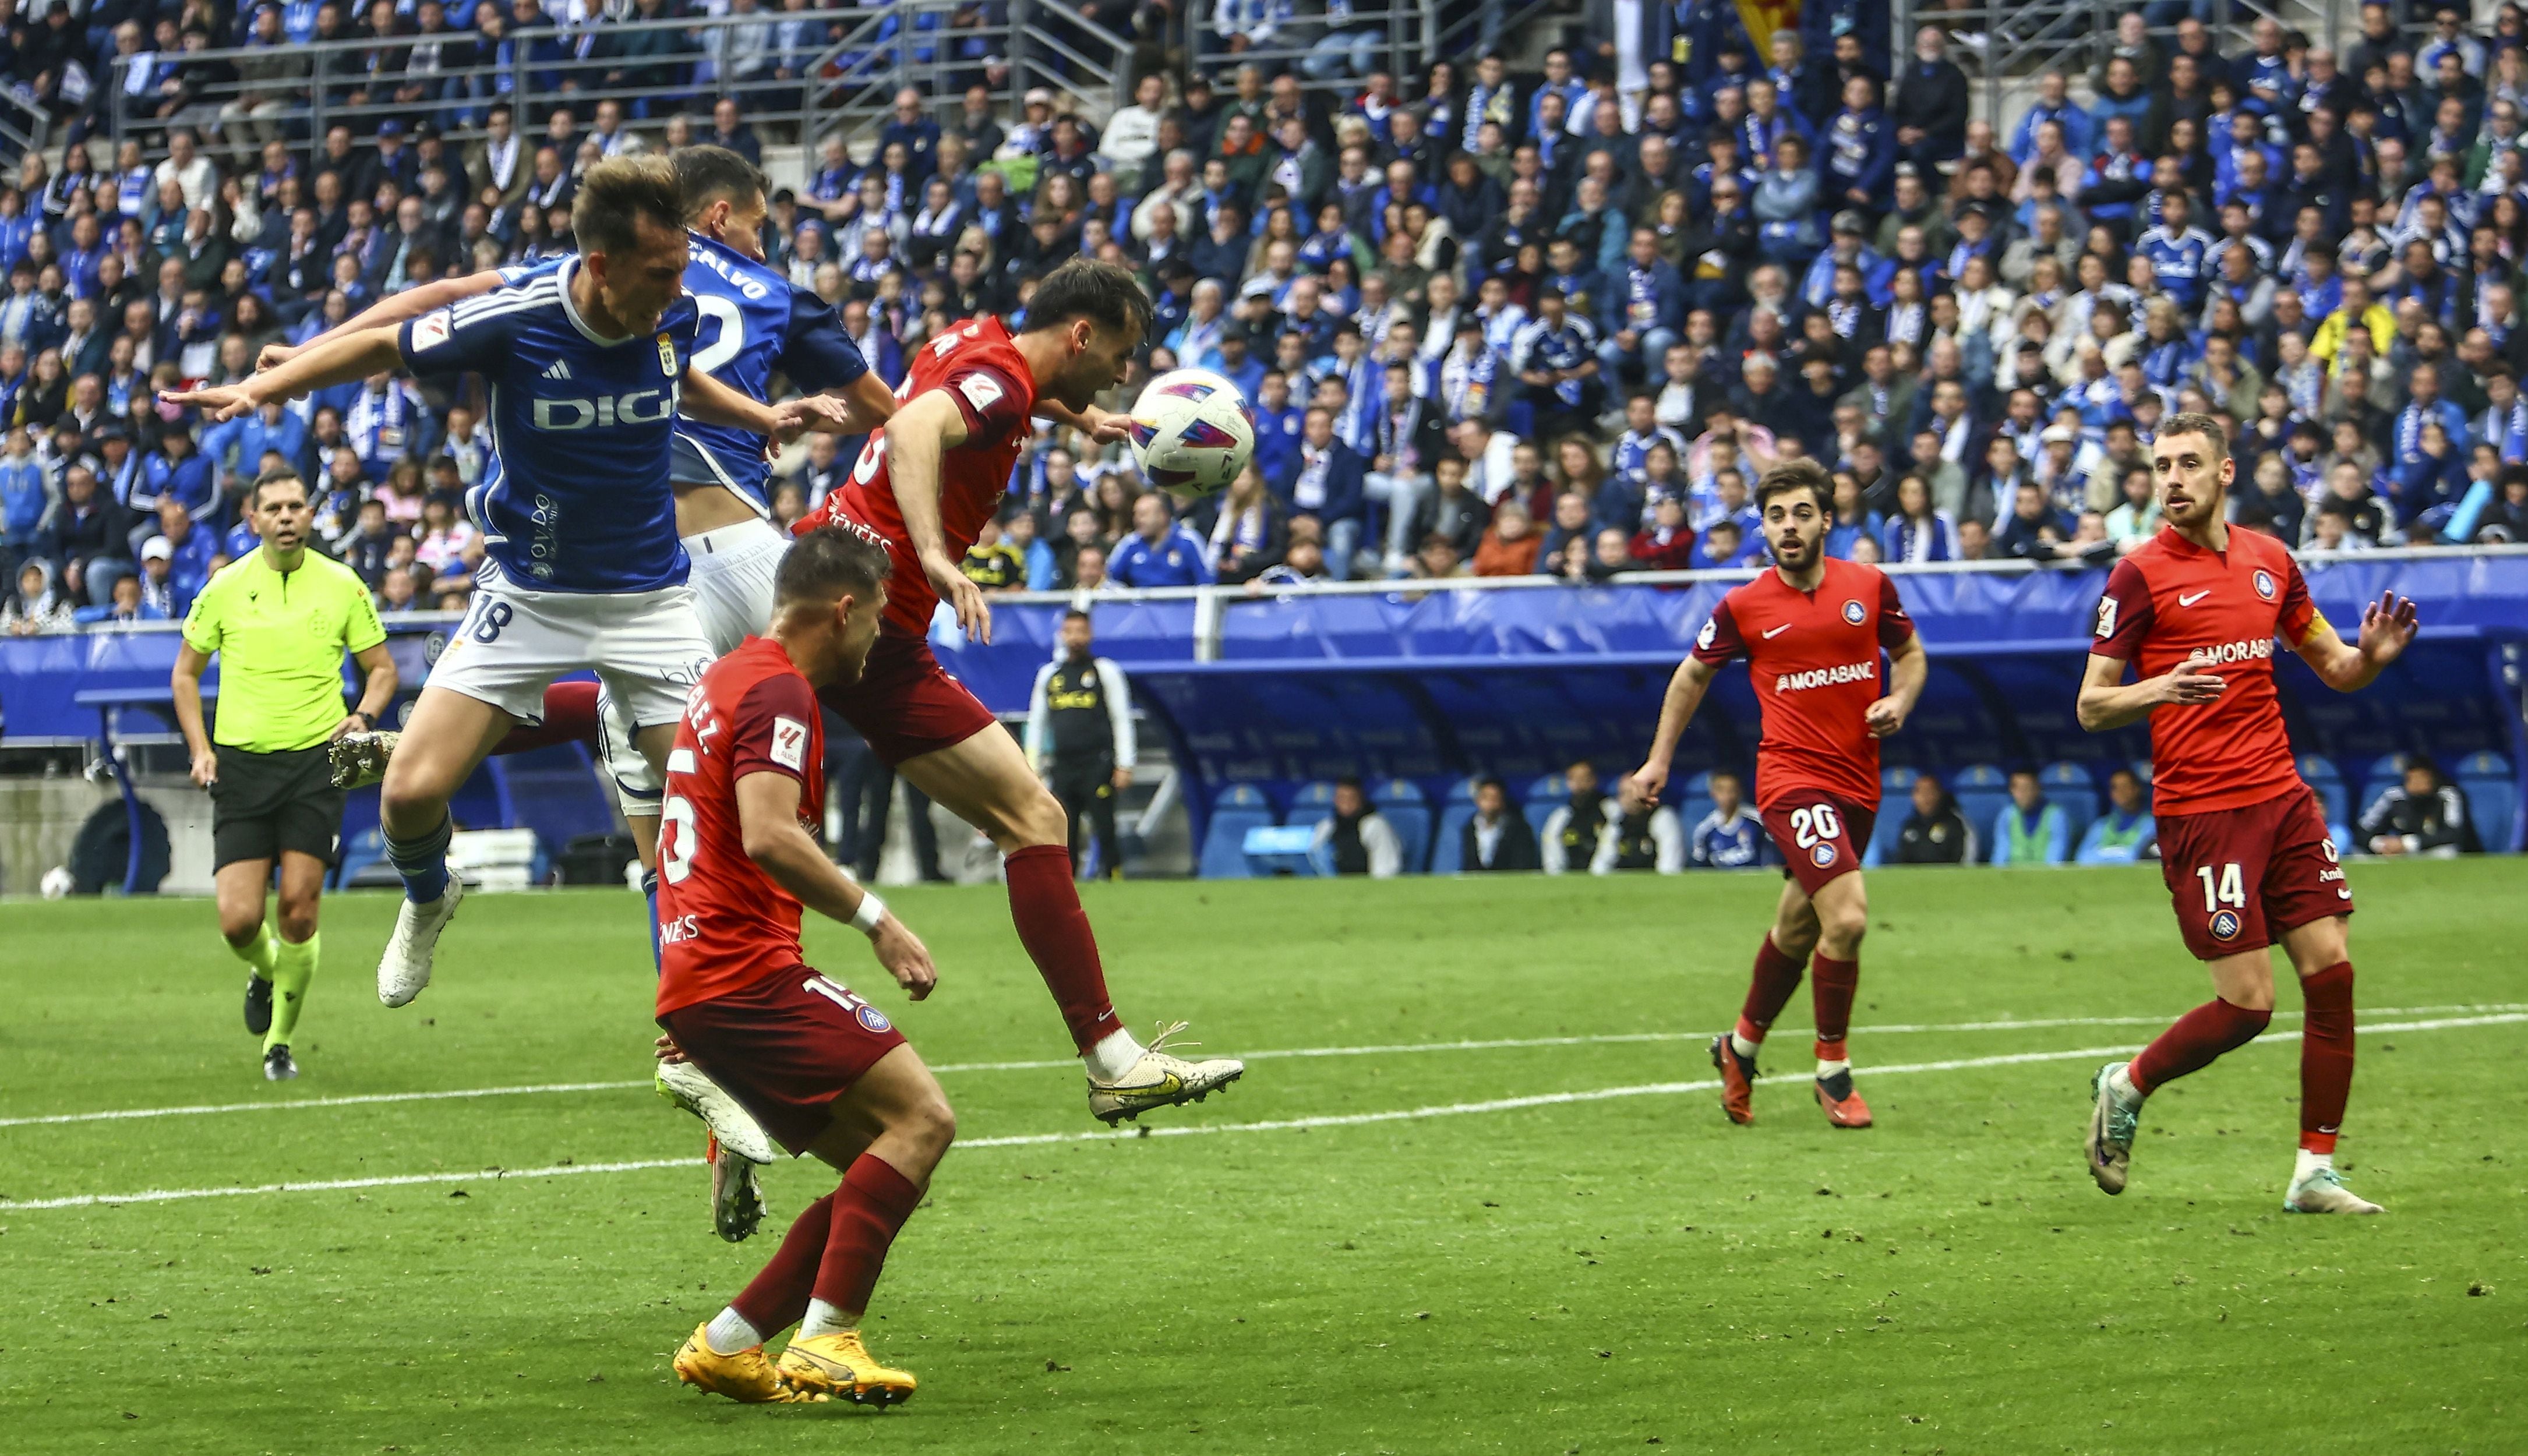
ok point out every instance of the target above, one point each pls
(824, 1071)
(2244, 845)
(589, 360)
(926, 485)
(753, 323)
(1811, 629)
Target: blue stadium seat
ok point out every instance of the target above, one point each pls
(1462, 791)
(556, 792)
(2321, 774)
(1544, 797)
(1312, 802)
(1449, 839)
(2385, 772)
(1234, 811)
(2141, 770)
(1692, 800)
(1983, 792)
(2069, 784)
(1895, 801)
(2491, 799)
(1409, 813)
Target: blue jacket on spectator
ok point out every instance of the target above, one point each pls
(1341, 492)
(1178, 560)
(2080, 138)
(1862, 158)
(1904, 539)
(1657, 288)
(1277, 438)
(23, 501)
(1840, 537)
(188, 480)
(1619, 502)
(189, 569)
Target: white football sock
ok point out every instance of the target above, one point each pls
(1827, 1068)
(2121, 1081)
(2310, 1162)
(1743, 1047)
(1112, 1057)
(729, 1332)
(824, 1319)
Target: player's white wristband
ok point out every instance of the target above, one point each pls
(872, 910)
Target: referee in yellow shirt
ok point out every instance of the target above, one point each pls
(280, 620)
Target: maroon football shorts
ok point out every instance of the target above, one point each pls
(1821, 835)
(2239, 877)
(905, 704)
(785, 1048)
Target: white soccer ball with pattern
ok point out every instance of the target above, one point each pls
(1190, 434)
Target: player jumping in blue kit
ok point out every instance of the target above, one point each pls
(588, 361)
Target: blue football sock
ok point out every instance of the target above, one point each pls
(423, 863)
(650, 889)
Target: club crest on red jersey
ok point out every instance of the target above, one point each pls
(1854, 612)
(1822, 856)
(872, 1017)
(2225, 925)
(2264, 580)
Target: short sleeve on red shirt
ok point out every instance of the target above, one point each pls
(1895, 628)
(2124, 614)
(1719, 642)
(774, 727)
(2298, 612)
(989, 399)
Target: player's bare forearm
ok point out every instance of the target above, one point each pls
(338, 360)
(1685, 690)
(1105, 427)
(2108, 703)
(870, 402)
(2389, 626)
(393, 308)
(1908, 667)
(915, 438)
(768, 816)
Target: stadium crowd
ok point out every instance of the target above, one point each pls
(1490, 321)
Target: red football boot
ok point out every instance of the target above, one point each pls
(1842, 1101)
(1737, 1081)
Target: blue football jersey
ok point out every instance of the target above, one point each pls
(755, 323)
(575, 496)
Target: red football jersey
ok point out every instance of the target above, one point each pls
(2169, 598)
(723, 923)
(1814, 657)
(995, 391)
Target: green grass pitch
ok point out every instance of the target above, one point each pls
(1623, 1273)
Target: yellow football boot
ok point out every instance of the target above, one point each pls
(839, 1365)
(746, 1375)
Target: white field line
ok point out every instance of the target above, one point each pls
(1284, 1124)
(952, 1068)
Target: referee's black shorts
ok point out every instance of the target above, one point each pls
(263, 804)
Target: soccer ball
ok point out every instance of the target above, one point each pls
(57, 882)
(1190, 434)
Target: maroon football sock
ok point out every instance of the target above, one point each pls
(2326, 1055)
(570, 716)
(868, 1210)
(1044, 905)
(1832, 984)
(2194, 1042)
(1776, 976)
(778, 1296)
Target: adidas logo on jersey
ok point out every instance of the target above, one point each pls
(559, 370)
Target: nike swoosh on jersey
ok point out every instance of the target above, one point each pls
(1776, 632)
(2185, 600)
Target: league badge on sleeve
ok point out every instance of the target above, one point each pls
(1702, 639)
(430, 330)
(789, 743)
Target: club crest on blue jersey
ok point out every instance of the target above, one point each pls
(1854, 612)
(2264, 580)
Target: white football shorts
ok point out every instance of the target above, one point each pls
(647, 647)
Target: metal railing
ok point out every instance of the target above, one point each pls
(2022, 41)
(24, 126)
(846, 70)
(1408, 40)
